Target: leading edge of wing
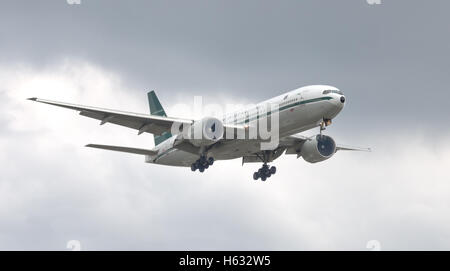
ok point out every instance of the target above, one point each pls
(109, 111)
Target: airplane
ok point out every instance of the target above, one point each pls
(298, 110)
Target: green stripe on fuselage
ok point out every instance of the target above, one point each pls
(326, 98)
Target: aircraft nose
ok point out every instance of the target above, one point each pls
(342, 99)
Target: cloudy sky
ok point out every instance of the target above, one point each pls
(391, 60)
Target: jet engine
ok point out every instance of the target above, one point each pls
(206, 131)
(318, 149)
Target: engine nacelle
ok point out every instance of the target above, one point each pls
(206, 131)
(318, 149)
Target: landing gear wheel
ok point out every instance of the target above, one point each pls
(210, 161)
(255, 176)
(264, 172)
(202, 159)
(273, 170)
(202, 163)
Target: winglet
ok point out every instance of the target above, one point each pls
(32, 99)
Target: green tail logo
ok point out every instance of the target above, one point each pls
(157, 110)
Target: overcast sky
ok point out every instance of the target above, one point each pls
(391, 60)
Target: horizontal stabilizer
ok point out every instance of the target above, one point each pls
(350, 148)
(123, 149)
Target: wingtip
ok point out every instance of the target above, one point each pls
(32, 99)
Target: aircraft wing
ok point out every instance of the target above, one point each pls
(294, 143)
(141, 122)
(123, 149)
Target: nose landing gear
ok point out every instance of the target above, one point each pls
(324, 124)
(202, 163)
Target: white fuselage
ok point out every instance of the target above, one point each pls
(299, 110)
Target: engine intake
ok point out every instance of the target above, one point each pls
(318, 149)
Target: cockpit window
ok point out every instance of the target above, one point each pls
(328, 91)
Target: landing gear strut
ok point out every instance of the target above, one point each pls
(324, 124)
(202, 163)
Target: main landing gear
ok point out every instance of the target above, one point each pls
(264, 172)
(202, 163)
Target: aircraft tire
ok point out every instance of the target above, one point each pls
(210, 161)
(273, 170)
(255, 176)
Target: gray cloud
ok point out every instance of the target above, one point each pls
(391, 60)
(385, 56)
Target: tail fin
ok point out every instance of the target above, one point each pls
(157, 109)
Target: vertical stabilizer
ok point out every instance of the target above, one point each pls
(157, 110)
